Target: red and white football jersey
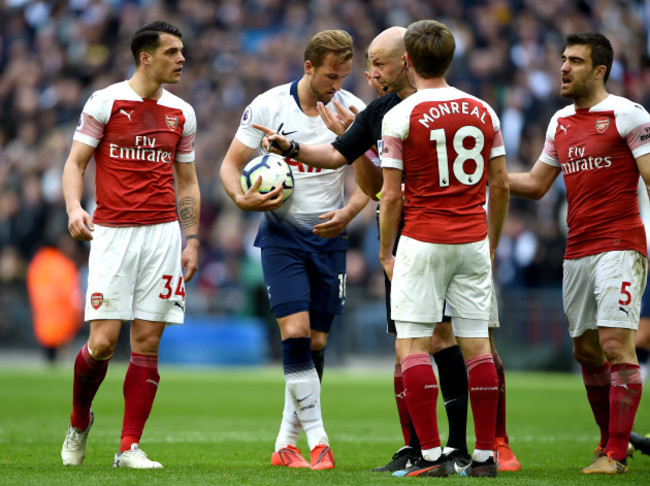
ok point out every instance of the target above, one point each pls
(136, 140)
(443, 140)
(596, 149)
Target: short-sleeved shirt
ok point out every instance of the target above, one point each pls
(316, 191)
(596, 149)
(136, 140)
(442, 139)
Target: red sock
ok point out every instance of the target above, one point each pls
(483, 397)
(402, 410)
(421, 397)
(624, 398)
(88, 376)
(500, 430)
(140, 387)
(598, 383)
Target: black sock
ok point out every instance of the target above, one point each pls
(642, 355)
(319, 361)
(414, 442)
(452, 376)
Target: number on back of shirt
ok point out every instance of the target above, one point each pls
(463, 154)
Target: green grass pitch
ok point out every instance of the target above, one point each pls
(218, 426)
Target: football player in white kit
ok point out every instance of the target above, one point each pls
(387, 74)
(600, 144)
(303, 241)
(142, 139)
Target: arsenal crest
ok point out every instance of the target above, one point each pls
(602, 124)
(171, 122)
(96, 300)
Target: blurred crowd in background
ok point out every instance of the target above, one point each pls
(54, 54)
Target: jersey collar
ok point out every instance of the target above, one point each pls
(294, 92)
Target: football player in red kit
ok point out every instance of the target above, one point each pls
(142, 139)
(600, 144)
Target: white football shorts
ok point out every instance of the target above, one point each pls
(135, 273)
(493, 323)
(604, 290)
(425, 274)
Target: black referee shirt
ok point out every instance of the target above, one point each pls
(365, 131)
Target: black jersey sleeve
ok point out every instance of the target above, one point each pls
(366, 129)
(356, 140)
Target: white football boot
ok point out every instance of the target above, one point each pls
(74, 445)
(135, 458)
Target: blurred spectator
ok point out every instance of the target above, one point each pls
(54, 54)
(55, 297)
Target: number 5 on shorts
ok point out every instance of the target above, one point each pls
(625, 293)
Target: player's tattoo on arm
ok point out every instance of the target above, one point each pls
(187, 211)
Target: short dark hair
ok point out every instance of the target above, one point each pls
(602, 53)
(431, 46)
(147, 38)
(336, 42)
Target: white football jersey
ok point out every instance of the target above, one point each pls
(316, 191)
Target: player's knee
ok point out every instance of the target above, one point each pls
(615, 351)
(318, 341)
(102, 347)
(587, 356)
(443, 337)
(146, 344)
(294, 332)
(437, 346)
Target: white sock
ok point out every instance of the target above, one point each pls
(432, 454)
(290, 427)
(304, 388)
(481, 455)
